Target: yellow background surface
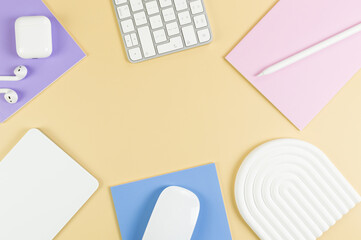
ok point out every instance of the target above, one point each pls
(124, 122)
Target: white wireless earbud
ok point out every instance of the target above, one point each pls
(20, 72)
(10, 95)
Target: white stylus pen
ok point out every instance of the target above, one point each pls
(309, 51)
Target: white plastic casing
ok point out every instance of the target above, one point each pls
(174, 216)
(33, 37)
(289, 189)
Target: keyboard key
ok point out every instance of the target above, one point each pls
(174, 44)
(204, 35)
(189, 35)
(127, 25)
(134, 38)
(159, 36)
(196, 7)
(156, 22)
(180, 5)
(128, 41)
(152, 7)
(146, 41)
(172, 28)
(168, 14)
(136, 5)
(184, 18)
(135, 54)
(165, 3)
(123, 11)
(200, 21)
(140, 18)
(117, 2)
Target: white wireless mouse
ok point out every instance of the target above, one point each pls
(174, 216)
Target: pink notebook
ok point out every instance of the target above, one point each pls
(301, 90)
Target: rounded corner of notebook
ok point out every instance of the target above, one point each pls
(34, 131)
(95, 184)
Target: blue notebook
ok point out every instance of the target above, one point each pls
(134, 203)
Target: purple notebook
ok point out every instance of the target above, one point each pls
(41, 72)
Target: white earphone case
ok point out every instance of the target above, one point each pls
(33, 37)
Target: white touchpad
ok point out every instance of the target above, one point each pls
(174, 216)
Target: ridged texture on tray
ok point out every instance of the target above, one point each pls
(289, 189)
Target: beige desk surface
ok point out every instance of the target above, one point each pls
(125, 122)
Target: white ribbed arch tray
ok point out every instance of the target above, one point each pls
(288, 189)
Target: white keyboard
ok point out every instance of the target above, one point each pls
(152, 28)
